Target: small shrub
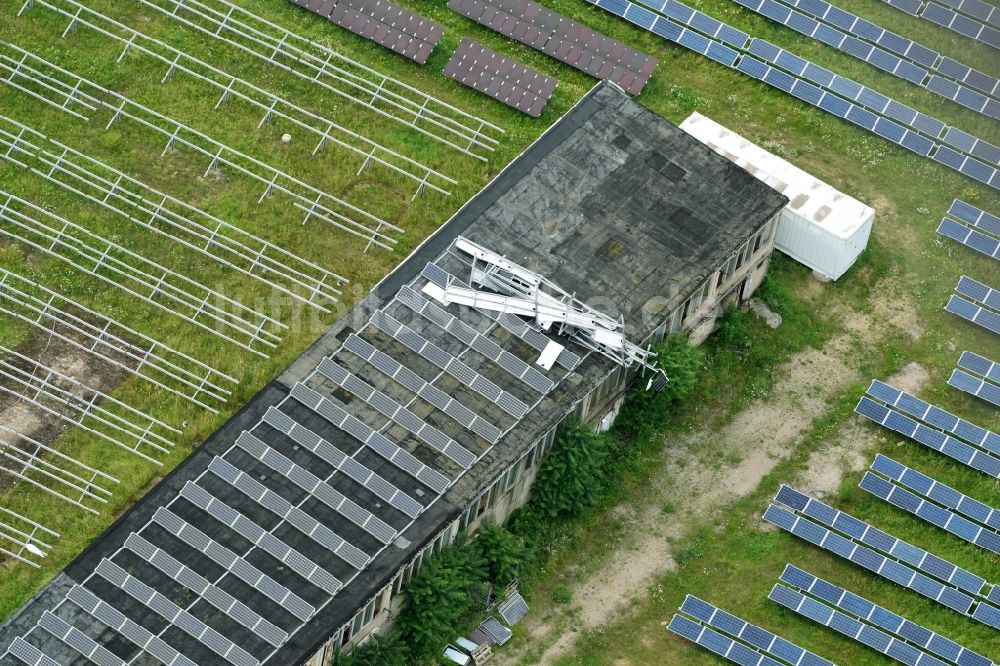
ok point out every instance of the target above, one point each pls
(561, 595)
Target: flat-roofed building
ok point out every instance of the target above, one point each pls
(290, 532)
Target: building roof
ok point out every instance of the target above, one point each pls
(809, 198)
(306, 503)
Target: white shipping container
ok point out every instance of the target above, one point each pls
(820, 227)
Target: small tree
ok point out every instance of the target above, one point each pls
(438, 599)
(570, 479)
(502, 553)
(377, 651)
(647, 408)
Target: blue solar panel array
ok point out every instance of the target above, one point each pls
(863, 533)
(737, 640)
(979, 292)
(937, 438)
(935, 416)
(966, 212)
(968, 18)
(985, 311)
(934, 502)
(885, 50)
(908, 570)
(963, 381)
(970, 237)
(980, 365)
(842, 97)
(864, 621)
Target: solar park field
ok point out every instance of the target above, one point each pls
(196, 124)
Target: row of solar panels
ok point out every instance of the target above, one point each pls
(861, 39)
(224, 570)
(819, 87)
(977, 303)
(968, 20)
(934, 503)
(850, 614)
(935, 428)
(883, 554)
(383, 22)
(977, 374)
(501, 78)
(867, 622)
(568, 41)
(742, 642)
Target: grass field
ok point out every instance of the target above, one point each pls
(909, 193)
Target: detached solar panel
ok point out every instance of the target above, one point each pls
(383, 22)
(501, 78)
(565, 40)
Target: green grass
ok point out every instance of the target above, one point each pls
(909, 193)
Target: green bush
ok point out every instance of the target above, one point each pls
(438, 601)
(648, 409)
(502, 553)
(570, 479)
(378, 651)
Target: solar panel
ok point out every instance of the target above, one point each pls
(478, 341)
(29, 654)
(498, 633)
(938, 492)
(376, 441)
(979, 292)
(980, 365)
(177, 616)
(258, 536)
(963, 381)
(866, 622)
(566, 40)
(974, 216)
(387, 24)
(78, 640)
(918, 558)
(935, 416)
(399, 414)
(743, 643)
(500, 77)
(214, 595)
(459, 370)
(867, 558)
(930, 512)
(974, 313)
(309, 483)
(513, 608)
(970, 237)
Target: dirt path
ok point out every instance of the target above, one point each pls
(706, 471)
